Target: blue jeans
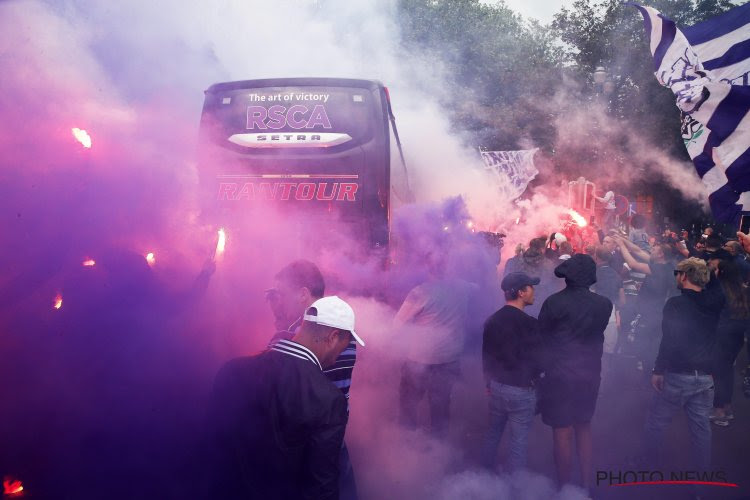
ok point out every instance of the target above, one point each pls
(694, 394)
(512, 404)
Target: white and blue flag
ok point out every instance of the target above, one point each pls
(512, 170)
(707, 67)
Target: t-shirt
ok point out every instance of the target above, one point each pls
(608, 283)
(632, 284)
(640, 238)
(433, 319)
(653, 292)
(609, 199)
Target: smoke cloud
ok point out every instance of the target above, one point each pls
(105, 395)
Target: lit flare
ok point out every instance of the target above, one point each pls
(150, 259)
(220, 243)
(579, 219)
(12, 487)
(82, 136)
(57, 303)
(89, 263)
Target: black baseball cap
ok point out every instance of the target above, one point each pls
(517, 281)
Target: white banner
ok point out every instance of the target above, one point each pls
(513, 170)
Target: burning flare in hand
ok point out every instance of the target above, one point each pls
(578, 218)
(57, 303)
(12, 487)
(220, 243)
(82, 136)
(150, 259)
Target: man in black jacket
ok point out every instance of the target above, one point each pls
(682, 373)
(277, 422)
(510, 355)
(298, 285)
(572, 324)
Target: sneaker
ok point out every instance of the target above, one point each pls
(721, 422)
(746, 385)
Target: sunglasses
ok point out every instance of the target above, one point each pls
(272, 294)
(676, 272)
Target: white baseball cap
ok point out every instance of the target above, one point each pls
(334, 312)
(560, 238)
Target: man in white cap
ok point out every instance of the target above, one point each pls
(277, 422)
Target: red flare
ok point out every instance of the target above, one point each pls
(12, 487)
(578, 218)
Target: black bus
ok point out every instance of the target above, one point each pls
(318, 147)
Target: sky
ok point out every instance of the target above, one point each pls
(542, 10)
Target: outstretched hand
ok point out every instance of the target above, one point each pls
(745, 240)
(658, 382)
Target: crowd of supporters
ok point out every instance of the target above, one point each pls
(680, 317)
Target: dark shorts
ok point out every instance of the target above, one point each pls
(565, 402)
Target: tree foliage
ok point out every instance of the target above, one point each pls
(495, 61)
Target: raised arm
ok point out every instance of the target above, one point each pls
(636, 251)
(635, 265)
(681, 248)
(606, 198)
(745, 240)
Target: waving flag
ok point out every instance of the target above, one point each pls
(707, 67)
(513, 170)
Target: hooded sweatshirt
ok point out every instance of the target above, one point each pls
(572, 323)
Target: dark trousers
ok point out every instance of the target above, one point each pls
(434, 380)
(647, 345)
(728, 349)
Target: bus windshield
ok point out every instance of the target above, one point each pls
(313, 147)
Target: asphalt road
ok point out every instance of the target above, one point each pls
(618, 435)
(391, 463)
